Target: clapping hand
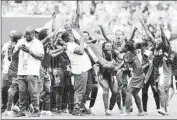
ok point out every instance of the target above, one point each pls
(25, 49)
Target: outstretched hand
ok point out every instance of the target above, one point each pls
(135, 28)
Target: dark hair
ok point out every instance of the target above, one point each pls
(145, 9)
(90, 38)
(65, 35)
(103, 46)
(17, 36)
(130, 45)
(43, 34)
(120, 31)
(154, 29)
(86, 32)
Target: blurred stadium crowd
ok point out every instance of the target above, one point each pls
(113, 14)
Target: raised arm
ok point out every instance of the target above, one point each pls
(90, 41)
(103, 33)
(10, 52)
(45, 40)
(117, 53)
(77, 14)
(148, 33)
(163, 35)
(54, 21)
(56, 54)
(120, 66)
(106, 64)
(58, 50)
(133, 33)
(79, 50)
(173, 37)
(37, 56)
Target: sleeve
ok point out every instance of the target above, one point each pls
(76, 34)
(10, 51)
(17, 45)
(166, 46)
(71, 47)
(4, 47)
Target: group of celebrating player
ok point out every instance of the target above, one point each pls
(53, 72)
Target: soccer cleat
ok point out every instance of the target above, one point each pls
(43, 112)
(77, 112)
(123, 109)
(8, 113)
(131, 109)
(162, 112)
(35, 114)
(120, 111)
(145, 113)
(15, 109)
(65, 111)
(31, 108)
(3, 108)
(108, 113)
(49, 113)
(56, 111)
(92, 111)
(20, 114)
(141, 114)
(125, 114)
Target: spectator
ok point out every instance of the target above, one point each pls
(30, 52)
(79, 68)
